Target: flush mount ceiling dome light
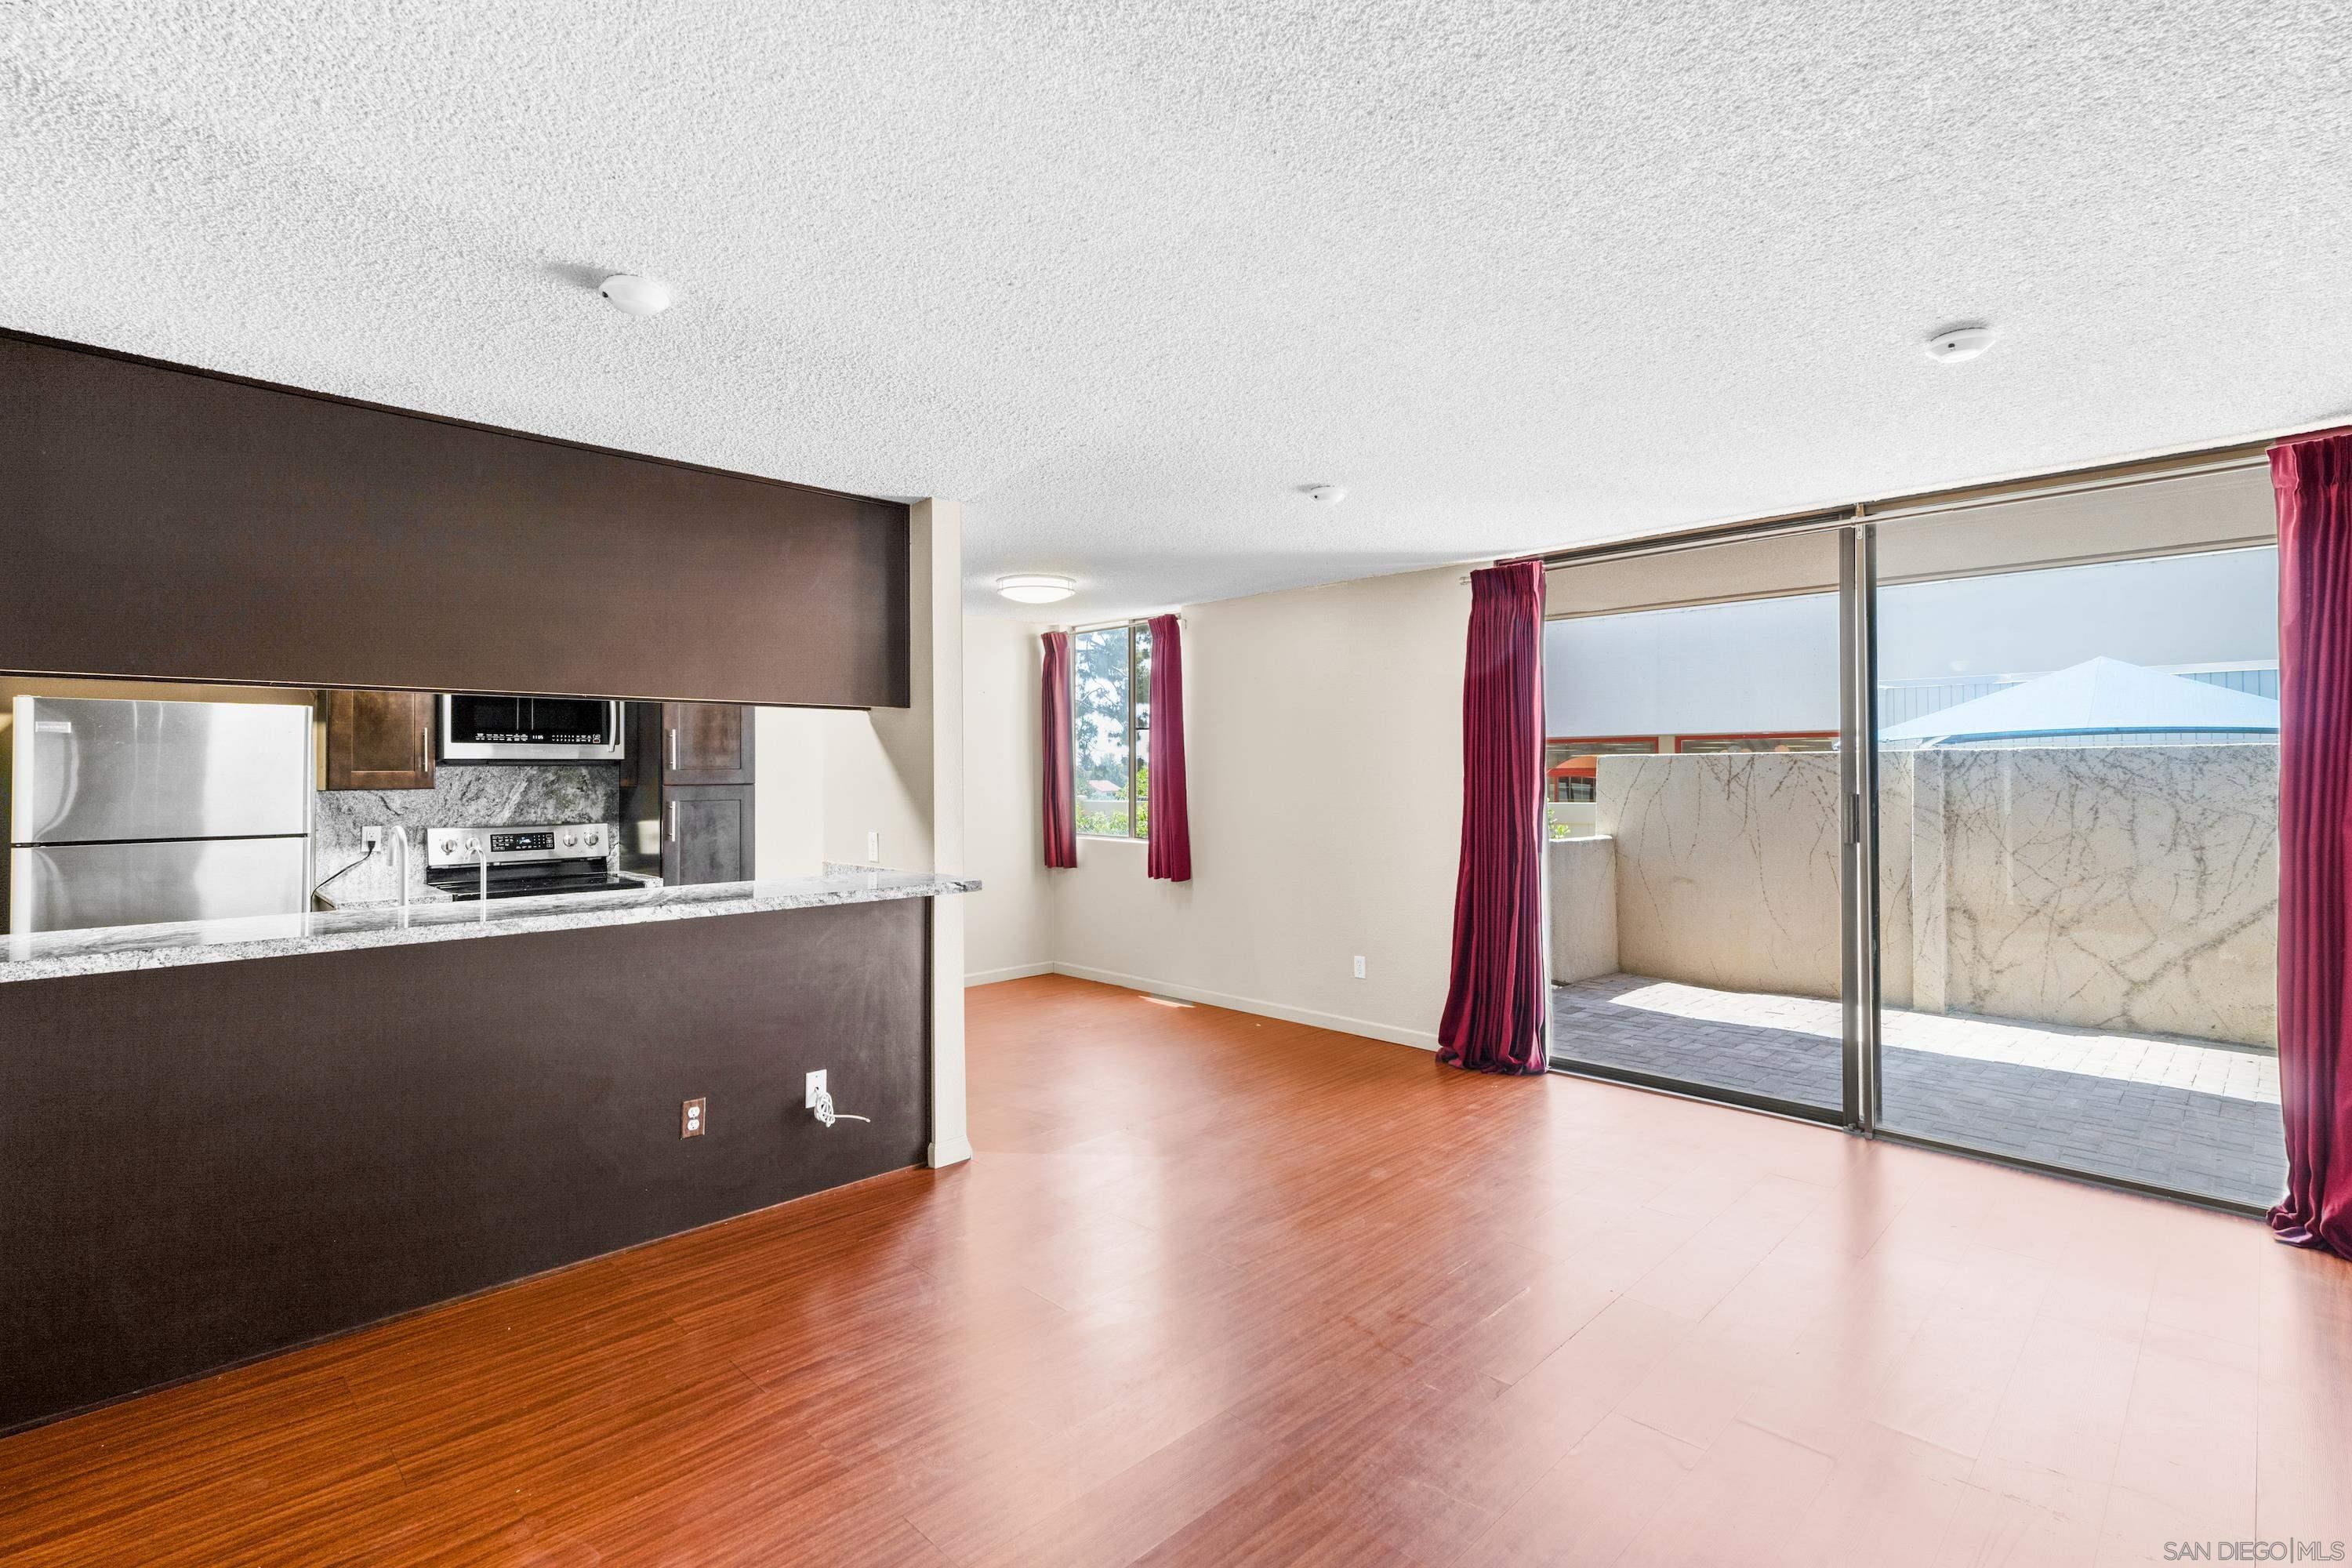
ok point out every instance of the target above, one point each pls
(1963, 341)
(1324, 495)
(633, 295)
(1036, 587)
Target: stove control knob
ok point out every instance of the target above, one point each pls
(593, 838)
(570, 838)
(448, 847)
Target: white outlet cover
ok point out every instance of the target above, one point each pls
(815, 1081)
(873, 846)
(1359, 966)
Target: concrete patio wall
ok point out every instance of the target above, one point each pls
(1727, 867)
(1581, 892)
(2133, 888)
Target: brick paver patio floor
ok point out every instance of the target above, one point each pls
(2179, 1113)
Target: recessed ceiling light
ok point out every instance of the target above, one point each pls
(1036, 587)
(1954, 344)
(1324, 495)
(633, 295)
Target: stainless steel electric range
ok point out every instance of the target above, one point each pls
(523, 862)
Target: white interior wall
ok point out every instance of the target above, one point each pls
(788, 801)
(1324, 744)
(1324, 738)
(1009, 923)
(873, 787)
(827, 779)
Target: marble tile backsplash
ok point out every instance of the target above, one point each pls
(463, 795)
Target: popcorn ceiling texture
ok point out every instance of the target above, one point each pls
(1121, 276)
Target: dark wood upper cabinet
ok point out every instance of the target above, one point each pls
(176, 524)
(707, 743)
(379, 739)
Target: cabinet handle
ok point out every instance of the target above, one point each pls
(424, 748)
(673, 822)
(673, 746)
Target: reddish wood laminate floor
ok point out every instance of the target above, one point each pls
(1219, 1290)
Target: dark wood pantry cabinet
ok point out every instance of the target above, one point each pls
(686, 792)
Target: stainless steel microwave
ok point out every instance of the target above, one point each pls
(484, 729)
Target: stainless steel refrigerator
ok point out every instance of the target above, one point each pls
(128, 812)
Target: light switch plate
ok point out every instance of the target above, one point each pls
(874, 847)
(815, 1083)
(692, 1118)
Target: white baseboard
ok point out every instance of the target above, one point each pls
(1010, 972)
(954, 1153)
(1422, 1039)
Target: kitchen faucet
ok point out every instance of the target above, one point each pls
(399, 837)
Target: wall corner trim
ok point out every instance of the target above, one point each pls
(955, 1153)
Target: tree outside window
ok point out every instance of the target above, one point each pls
(1110, 716)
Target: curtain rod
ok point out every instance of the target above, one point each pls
(1122, 621)
(1924, 503)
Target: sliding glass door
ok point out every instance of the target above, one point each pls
(1958, 826)
(2078, 829)
(1695, 803)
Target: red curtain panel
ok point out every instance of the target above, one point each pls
(1496, 1013)
(1061, 813)
(1170, 857)
(2314, 480)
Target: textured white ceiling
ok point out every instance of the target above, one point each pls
(1122, 276)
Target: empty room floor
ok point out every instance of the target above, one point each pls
(2185, 1115)
(1220, 1290)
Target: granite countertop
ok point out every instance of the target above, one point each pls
(44, 956)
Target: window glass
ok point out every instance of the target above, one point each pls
(1111, 715)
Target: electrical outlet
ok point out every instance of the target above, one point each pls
(691, 1117)
(874, 847)
(815, 1083)
(1359, 966)
(371, 839)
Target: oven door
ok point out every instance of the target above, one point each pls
(490, 729)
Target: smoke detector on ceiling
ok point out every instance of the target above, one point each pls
(633, 295)
(1956, 343)
(1324, 495)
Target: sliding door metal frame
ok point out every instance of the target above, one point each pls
(1857, 690)
(1816, 522)
(1926, 504)
(1858, 811)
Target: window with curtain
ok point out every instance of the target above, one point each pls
(1110, 717)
